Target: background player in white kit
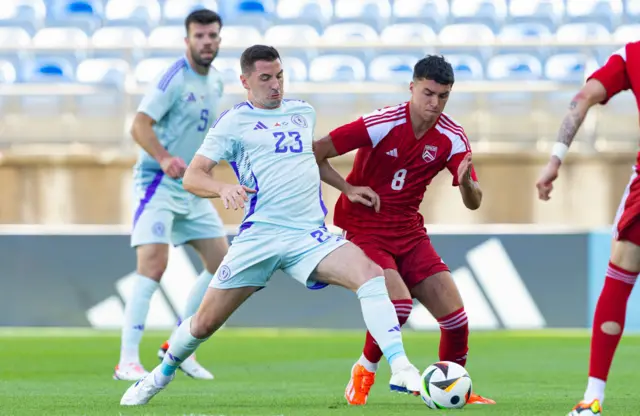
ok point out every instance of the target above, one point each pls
(170, 125)
(269, 143)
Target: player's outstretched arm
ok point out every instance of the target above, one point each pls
(469, 188)
(198, 179)
(592, 92)
(324, 149)
(143, 134)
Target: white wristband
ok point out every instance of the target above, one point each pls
(560, 150)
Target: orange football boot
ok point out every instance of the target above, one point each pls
(358, 388)
(477, 399)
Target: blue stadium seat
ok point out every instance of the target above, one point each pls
(605, 12)
(241, 36)
(547, 12)
(175, 11)
(337, 68)
(466, 67)
(375, 13)
(393, 68)
(434, 13)
(47, 70)
(8, 73)
(257, 13)
(568, 67)
(28, 14)
(295, 69)
(112, 38)
(316, 13)
(489, 12)
(627, 33)
(143, 14)
(463, 33)
(341, 33)
(514, 67)
(83, 14)
(287, 35)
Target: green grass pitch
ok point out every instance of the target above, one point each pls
(270, 373)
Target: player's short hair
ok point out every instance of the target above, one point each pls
(202, 17)
(256, 53)
(435, 68)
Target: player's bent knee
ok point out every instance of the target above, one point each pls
(203, 326)
(152, 260)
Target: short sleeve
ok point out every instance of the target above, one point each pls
(613, 75)
(160, 97)
(350, 137)
(220, 142)
(453, 165)
(460, 147)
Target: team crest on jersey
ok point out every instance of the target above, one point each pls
(158, 229)
(224, 273)
(299, 120)
(429, 153)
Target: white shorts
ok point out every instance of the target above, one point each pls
(262, 249)
(167, 214)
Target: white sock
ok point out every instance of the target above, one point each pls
(135, 316)
(381, 319)
(368, 365)
(595, 390)
(194, 300)
(183, 346)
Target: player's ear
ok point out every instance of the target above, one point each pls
(411, 87)
(243, 79)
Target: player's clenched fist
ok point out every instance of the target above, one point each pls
(235, 196)
(365, 196)
(545, 182)
(173, 166)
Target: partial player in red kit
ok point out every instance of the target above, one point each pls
(621, 72)
(400, 150)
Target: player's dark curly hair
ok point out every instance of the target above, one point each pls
(202, 17)
(435, 68)
(256, 53)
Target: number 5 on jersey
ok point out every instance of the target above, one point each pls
(398, 180)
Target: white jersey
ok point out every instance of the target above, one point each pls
(271, 151)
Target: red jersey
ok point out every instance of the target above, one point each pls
(621, 72)
(397, 166)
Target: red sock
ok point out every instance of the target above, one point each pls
(371, 350)
(454, 337)
(608, 321)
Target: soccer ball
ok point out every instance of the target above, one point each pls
(445, 385)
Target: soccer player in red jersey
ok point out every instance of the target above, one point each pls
(621, 72)
(400, 150)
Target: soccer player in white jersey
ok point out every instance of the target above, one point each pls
(170, 125)
(269, 143)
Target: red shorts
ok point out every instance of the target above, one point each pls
(627, 223)
(412, 256)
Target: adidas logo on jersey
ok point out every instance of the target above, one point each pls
(393, 152)
(260, 126)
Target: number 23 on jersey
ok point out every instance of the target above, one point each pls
(288, 142)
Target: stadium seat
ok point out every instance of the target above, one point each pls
(295, 70)
(113, 38)
(147, 69)
(547, 12)
(229, 68)
(244, 36)
(375, 13)
(28, 14)
(582, 32)
(48, 70)
(466, 33)
(403, 33)
(466, 67)
(256, 13)
(514, 67)
(112, 72)
(567, 67)
(143, 14)
(8, 73)
(83, 14)
(632, 11)
(287, 35)
(316, 13)
(167, 37)
(430, 12)
(60, 36)
(174, 12)
(393, 68)
(627, 33)
(489, 12)
(524, 32)
(14, 37)
(337, 68)
(605, 12)
(345, 33)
